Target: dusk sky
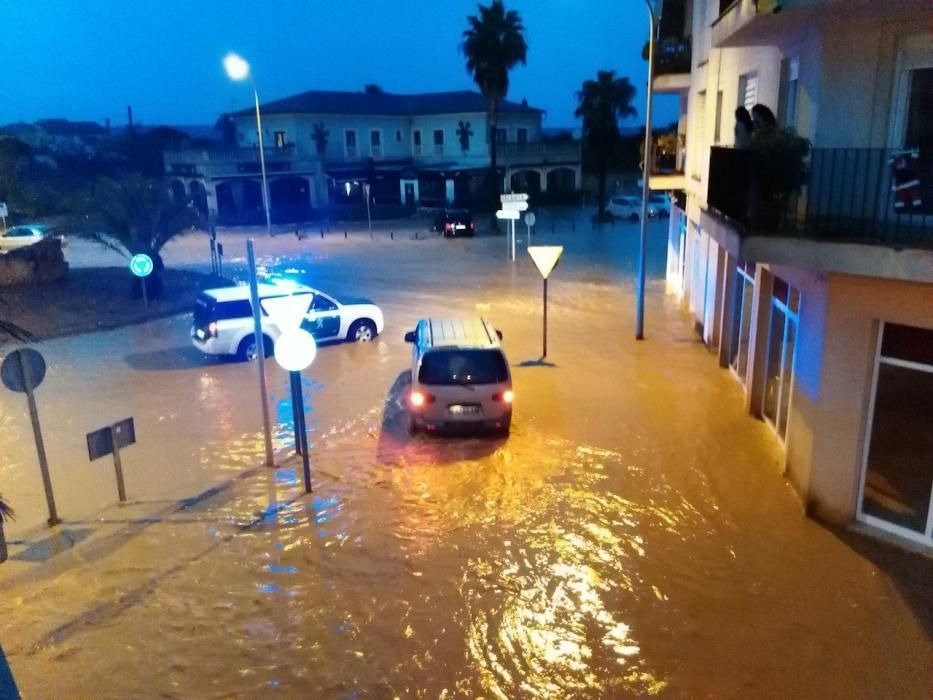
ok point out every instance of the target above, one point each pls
(90, 59)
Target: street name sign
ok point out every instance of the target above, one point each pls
(514, 206)
(511, 214)
(515, 197)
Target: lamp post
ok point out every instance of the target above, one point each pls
(238, 69)
(646, 169)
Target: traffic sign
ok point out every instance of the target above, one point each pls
(19, 361)
(288, 311)
(514, 197)
(545, 257)
(3, 211)
(530, 219)
(295, 349)
(141, 265)
(508, 214)
(515, 206)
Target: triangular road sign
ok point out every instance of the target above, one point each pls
(288, 311)
(545, 257)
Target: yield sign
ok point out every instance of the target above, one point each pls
(545, 257)
(288, 311)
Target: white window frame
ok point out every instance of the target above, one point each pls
(438, 148)
(913, 54)
(346, 146)
(375, 151)
(417, 145)
(925, 538)
(739, 298)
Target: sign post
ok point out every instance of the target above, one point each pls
(109, 440)
(369, 217)
(295, 350)
(260, 351)
(23, 371)
(3, 214)
(512, 204)
(529, 222)
(545, 258)
(141, 266)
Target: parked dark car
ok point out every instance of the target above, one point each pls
(454, 223)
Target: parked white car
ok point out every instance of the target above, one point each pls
(628, 207)
(661, 202)
(223, 319)
(27, 234)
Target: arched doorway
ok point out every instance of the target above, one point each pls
(561, 180)
(178, 190)
(290, 199)
(527, 181)
(239, 202)
(198, 196)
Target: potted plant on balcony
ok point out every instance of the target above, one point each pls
(781, 167)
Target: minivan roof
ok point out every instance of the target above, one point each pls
(458, 332)
(265, 290)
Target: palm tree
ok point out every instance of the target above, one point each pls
(494, 43)
(6, 513)
(320, 134)
(373, 89)
(602, 103)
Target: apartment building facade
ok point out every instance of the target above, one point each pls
(321, 148)
(818, 298)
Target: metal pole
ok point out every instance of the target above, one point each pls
(295, 381)
(646, 169)
(118, 466)
(40, 445)
(262, 161)
(512, 221)
(145, 293)
(260, 352)
(544, 352)
(303, 435)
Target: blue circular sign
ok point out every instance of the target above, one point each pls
(141, 265)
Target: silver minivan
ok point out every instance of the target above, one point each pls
(460, 379)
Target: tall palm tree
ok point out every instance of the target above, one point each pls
(602, 103)
(493, 43)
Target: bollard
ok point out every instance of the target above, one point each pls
(391, 235)
(416, 235)
(345, 234)
(322, 234)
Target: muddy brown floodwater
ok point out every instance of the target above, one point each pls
(633, 536)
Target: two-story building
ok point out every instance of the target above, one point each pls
(817, 297)
(321, 147)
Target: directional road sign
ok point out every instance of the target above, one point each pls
(514, 197)
(515, 206)
(512, 214)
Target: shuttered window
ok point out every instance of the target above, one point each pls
(748, 90)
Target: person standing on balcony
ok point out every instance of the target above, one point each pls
(743, 128)
(763, 118)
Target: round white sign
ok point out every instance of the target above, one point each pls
(530, 219)
(295, 349)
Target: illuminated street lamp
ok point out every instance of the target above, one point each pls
(238, 69)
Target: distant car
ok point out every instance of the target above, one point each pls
(223, 319)
(628, 207)
(27, 234)
(460, 379)
(661, 203)
(454, 223)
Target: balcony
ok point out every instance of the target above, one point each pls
(229, 155)
(668, 158)
(539, 152)
(672, 64)
(847, 197)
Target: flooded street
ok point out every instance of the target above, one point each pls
(633, 535)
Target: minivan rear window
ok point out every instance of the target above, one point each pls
(451, 367)
(203, 311)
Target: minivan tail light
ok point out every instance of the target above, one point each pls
(212, 329)
(507, 396)
(447, 226)
(420, 398)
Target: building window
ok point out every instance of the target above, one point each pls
(748, 90)
(700, 129)
(742, 318)
(787, 97)
(779, 365)
(438, 142)
(898, 463)
(398, 135)
(521, 135)
(349, 143)
(416, 141)
(279, 137)
(919, 129)
(500, 136)
(375, 143)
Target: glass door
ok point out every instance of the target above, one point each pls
(742, 318)
(779, 365)
(896, 490)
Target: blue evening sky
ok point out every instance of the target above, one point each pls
(89, 59)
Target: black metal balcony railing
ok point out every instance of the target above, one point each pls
(860, 195)
(672, 56)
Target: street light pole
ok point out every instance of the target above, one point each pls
(646, 169)
(262, 160)
(237, 69)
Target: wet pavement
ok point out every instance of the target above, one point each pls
(632, 536)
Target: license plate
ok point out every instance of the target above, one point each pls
(463, 410)
(459, 226)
